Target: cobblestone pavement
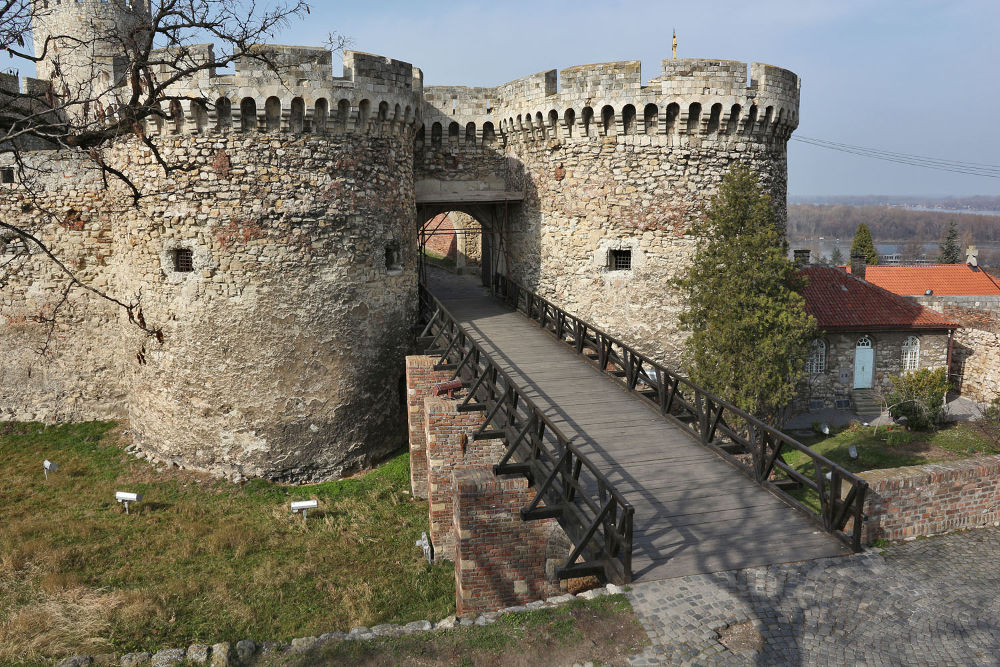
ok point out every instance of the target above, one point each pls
(933, 601)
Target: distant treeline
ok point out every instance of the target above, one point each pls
(973, 203)
(888, 225)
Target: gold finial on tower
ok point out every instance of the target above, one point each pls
(675, 44)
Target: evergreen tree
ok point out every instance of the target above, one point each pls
(863, 245)
(951, 252)
(749, 328)
(837, 258)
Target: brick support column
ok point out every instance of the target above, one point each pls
(501, 560)
(420, 378)
(450, 447)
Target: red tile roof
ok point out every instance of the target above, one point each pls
(943, 279)
(841, 302)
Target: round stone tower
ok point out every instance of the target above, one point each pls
(84, 44)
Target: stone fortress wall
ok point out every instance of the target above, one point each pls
(284, 344)
(608, 164)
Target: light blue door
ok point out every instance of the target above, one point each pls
(864, 363)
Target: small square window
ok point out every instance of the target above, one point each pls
(6, 174)
(183, 260)
(619, 260)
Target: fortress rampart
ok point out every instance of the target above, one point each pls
(282, 268)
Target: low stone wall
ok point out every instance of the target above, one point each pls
(420, 378)
(502, 560)
(935, 498)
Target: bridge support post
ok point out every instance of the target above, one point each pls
(420, 378)
(501, 560)
(451, 448)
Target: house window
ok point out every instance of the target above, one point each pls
(817, 357)
(911, 353)
(6, 175)
(619, 260)
(183, 260)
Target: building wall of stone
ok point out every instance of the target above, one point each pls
(976, 356)
(836, 382)
(931, 499)
(283, 349)
(420, 380)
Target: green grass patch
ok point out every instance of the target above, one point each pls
(887, 448)
(440, 261)
(200, 560)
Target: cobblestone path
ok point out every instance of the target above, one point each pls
(934, 601)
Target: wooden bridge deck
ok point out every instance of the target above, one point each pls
(694, 512)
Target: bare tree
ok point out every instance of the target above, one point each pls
(102, 83)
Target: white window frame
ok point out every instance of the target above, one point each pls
(911, 353)
(816, 363)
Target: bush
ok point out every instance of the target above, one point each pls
(919, 397)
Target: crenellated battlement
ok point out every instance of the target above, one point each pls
(692, 101)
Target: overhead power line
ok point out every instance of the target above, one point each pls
(926, 162)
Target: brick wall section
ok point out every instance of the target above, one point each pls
(444, 427)
(420, 379)
(501, 561)
(931, 499)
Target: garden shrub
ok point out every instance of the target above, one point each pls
(919, 397)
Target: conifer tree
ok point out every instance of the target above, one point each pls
(837, 258)
(951, 252)
(749, 328)
(863, 245)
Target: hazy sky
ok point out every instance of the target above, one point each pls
(910, 76)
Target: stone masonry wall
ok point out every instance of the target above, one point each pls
(420, 379)
(930, 499)
(283, 349)
(976, 362)
(501, 560)
(450, 448)
(821, 390)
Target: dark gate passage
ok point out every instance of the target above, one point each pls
(637, 464)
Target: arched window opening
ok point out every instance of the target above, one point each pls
(418, 139)
(436, 135)
(383, 112)
(540, 124)
(321, 112)
(343, 114)
(407, 114)
(715, 118)
(673, 111)
(765, 125)
(489, 134)
(911, 353)
(470, 134)
(628, 119)
(569, 119)
(694, 118)
(608, 121)
(297, 118)
(272, 114)
(176, 117)
(554, 124)
(200, 116)
(816, 363)
(864, 341)
(651, 119)
(734, 119)
(248, 114)
(364, 113)
(751, 120)
(397, 118)
(588, 118)
(223, 114)
(453, 132)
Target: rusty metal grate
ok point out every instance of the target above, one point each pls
(620, 260)
(183, 260)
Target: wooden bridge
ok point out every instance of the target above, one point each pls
(650, 476)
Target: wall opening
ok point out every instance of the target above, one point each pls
(183, 260)
(733, 124)
(320, 114)
(608, 120)
(6, 174)
(436, 135)
(364, 111)
(588, 118)
(489, 134)
(393, 258)
(272, 114)
(248, 114)
(569, 119)
(470, 134)
(673, 110)
(200, 112)
(620, 259)
(694, 118)
(453, 132)
(223, 114)
(343, 114)
(176, 116)
(714, 118)
(651, 119)
(297, 117)
(628, 119)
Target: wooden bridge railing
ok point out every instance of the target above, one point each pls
(568, 487)
(753, 446)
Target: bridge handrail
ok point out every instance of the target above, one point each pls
(600, 528)
(703, 415)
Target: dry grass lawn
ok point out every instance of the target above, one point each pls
(199, 560)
